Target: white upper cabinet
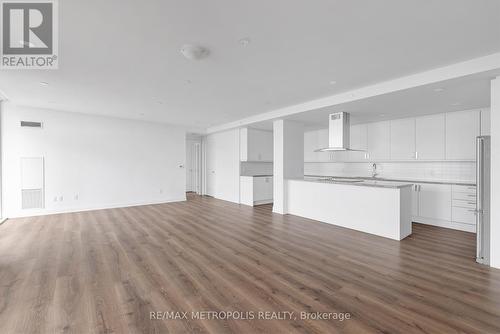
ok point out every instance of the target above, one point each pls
(430, 137)
(485, 122)
(256, 145)
(379, 140)
(314, 140)
(403, 145)
(358, 140)
(323, 143)
(462, 128)
(310, 143)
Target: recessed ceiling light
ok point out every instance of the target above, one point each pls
(159, 102)
(43, 83)
(333, 82)
(437, 90)
(142, 114)
(382, 115)
(456, 104)
(244, 41)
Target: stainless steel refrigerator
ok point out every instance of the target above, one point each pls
(483, 163)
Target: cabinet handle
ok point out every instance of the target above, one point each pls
(471, 195)
(471, 202)
(416, 155)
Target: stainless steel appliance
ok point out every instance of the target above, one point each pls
(483, 163)
(339, 127)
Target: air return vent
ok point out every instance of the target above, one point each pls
(28, 124)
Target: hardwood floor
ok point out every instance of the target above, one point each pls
(105, 271)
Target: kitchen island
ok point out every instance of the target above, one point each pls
(377, 207)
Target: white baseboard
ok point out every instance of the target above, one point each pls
(73, 210)
(3, 221)
(446, 224)
(264, 201)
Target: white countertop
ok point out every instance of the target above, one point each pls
(406, 180)
(364, 183)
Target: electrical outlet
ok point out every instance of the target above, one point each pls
(55, 199)
(60, 198)
(161, 191)
(76, 197)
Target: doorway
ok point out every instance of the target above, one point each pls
(193, 164)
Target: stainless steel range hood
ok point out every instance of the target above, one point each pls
(339, 128)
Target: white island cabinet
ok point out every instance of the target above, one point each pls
(380, 208)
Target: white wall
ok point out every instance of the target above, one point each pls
(495, 174)
(92, 162)
(223, 165)
(1, 149)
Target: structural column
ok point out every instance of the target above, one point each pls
(288, 159)
(495, 174)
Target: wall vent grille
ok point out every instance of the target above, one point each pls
(28, 124)
(32, 198)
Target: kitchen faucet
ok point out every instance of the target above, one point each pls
(374, 170)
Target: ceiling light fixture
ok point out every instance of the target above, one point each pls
(438, 90)
(194, 52)
(333, 82)
(43, 83)
(456, 104)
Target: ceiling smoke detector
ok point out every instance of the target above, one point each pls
(194, 52)
(244, 41)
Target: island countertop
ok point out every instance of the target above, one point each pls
(361, 183)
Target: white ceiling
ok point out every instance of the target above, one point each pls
(459, 94)
(121, 57)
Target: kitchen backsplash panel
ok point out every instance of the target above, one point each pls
(435, 171)
(256, 168)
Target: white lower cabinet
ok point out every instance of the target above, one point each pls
(444, 205)
(255, 190)
(435, 201)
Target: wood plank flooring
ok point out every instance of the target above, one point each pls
(105, 271)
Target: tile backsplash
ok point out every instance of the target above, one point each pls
(256, 168)
(435, 171)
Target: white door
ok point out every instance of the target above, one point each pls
(462, 128)
(403, 139)
(435, 201)
(196, 183)
(379, 143)
(430, 137)
(189, 166)
(211, 163)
